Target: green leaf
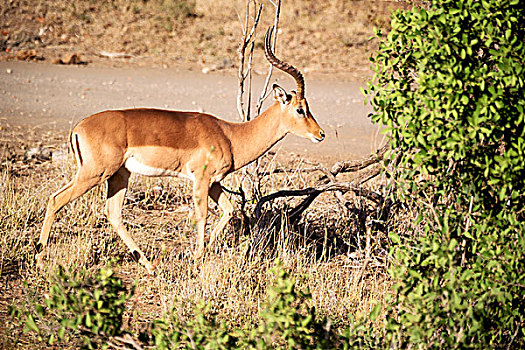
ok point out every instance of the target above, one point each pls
(394, 238)
(61, 332)
(31, 325)
(375, 312)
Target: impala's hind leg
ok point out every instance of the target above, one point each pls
(117, 186)
(58, 200)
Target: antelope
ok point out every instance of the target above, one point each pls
(108, 146)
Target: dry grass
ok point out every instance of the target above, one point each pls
(325, 252)
(320, 36)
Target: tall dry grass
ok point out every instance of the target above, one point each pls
(325, 252)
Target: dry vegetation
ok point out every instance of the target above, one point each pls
(328, 250)
(322, 36)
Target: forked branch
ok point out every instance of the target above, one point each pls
(368, 168)
(246, 49)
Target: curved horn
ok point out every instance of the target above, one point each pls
(285, 67)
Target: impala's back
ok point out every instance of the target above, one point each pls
(153, 142)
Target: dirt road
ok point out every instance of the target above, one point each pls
(59, 96)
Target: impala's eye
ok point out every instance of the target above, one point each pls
(300, 111)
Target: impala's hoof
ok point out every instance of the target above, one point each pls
(145, 262)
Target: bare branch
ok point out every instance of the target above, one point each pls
(249, 71)
(317, 190)
(351, 166)
(247, 41)
(339, 167)
(264, 91)
(367, 168)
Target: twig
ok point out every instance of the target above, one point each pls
(247, 39)
(509, 346)
(467, 227)
(355, 165)
(264, 91)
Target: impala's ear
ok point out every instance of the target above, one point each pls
(280, 95)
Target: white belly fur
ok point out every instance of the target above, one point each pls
(133, 165)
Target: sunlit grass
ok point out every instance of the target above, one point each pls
(322, 253)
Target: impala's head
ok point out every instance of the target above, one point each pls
(296, 115)
(299, 120)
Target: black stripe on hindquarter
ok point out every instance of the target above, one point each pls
(78, 150)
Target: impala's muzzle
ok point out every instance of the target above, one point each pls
(317, 138)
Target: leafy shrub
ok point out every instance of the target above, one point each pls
(201, 332)
(79, 305)
(288, 318)
(92, 308)
(449, 89)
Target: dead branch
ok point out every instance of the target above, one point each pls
(341, 188)
(247, 41)
(339, 167)
(356, 165)
(326, 186)
(366, 169)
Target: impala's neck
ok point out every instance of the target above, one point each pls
(251, 139)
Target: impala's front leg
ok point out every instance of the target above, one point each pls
(218, 195)
(200, 197)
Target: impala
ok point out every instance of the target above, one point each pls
(109, 146)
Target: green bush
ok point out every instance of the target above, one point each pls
(449, 89)
(288, 318)
(92, 309)
(286, 322)
(202, 332)
(77, 305)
